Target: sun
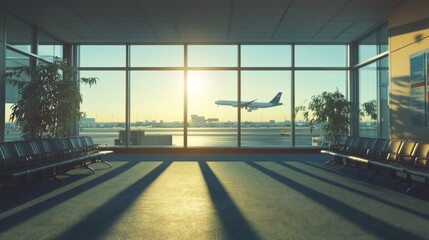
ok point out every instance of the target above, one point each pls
(196, 82)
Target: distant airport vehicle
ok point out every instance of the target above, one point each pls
(252, 105)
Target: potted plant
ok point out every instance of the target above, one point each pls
(49, 103)
(331, 111)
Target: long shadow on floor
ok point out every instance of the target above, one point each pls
(21, 216)
(21, 194)
(385, 182)
(233, 222)
(367, 222)
(102, 219)
(354, 190)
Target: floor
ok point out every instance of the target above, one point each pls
(215, 196)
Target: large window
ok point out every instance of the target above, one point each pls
(19, 35)
(266, 56)
(157, 56)
(368, 47)
(212, 56)
(19, 52)
(384, 110)
(373, 84)
(308, 84)
(368, 101)
(374, 100)
(49, 48)
(13, 59)
(373, 44)
(102, 56)
(266, 126)
(320, 56)
(208, 123)
(156, 108)
(191, 99)
(104, 106)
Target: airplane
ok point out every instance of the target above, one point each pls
(252, 105)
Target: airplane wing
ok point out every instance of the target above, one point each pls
(246, 104)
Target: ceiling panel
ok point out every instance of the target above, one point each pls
(223, 21)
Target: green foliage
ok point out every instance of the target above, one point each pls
(50, 102)
(370, 109)
(331, 111)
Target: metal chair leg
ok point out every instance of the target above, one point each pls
(90, 168)
(413, 187)
(106, 162)
(101, 161)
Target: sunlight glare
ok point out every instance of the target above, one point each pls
(196, 82)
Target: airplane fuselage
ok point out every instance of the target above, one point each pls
(252, 105)
(245, 105)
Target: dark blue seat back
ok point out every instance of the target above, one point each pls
(88, 140)
(50, 148)
(38, 149)
(390, 150)
(81, 141)
(2, 160)
(90, 145)
(76, 145)
(25, 151)
(377, 148)
(67, 143)
(62, 148)
(406, 151)
(421, 154)
(10, 154)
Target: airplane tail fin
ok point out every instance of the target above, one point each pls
(276, 99)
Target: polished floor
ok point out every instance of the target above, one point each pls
(215, 196)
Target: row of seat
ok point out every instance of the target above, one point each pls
(394, 155)
(46, 157)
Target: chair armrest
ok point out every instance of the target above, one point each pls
(403, 155)
(421, 162)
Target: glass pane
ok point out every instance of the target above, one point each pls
(265, 56)
(212, 56)
(157, 56)
(384, 98)
(308, 84)
(209, 124)
(102, 56)
(13, 59)
(263, 122)
(320, 56)
(157, 108)
(368, 47)
(368, 100)
(104, 106)
(18, 34)
(49, 48)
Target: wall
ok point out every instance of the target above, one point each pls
(409, 33)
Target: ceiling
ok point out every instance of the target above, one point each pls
(203, 21)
